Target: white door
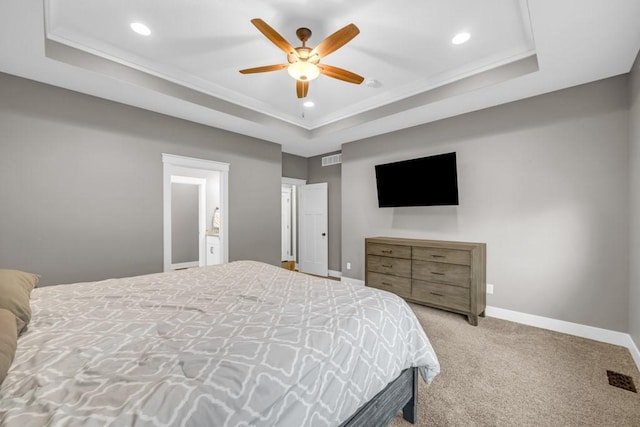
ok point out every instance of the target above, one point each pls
(314, 224)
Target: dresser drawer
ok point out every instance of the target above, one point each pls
(453, 297)
(450, 256)
(398, 285)
(458, 275)
(395, 251)
(385, 265)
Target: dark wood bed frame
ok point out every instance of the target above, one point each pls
(401, 393)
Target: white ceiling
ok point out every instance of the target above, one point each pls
(188, 67)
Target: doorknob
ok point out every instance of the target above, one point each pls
(324, 234)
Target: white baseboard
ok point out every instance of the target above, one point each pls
(584, 331)
(352, 281)
(181, 265)
(333, 273)
(635, 353)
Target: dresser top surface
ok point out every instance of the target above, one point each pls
(445, 244)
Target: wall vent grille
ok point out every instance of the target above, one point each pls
(334, 159)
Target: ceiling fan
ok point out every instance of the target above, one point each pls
(304, 62)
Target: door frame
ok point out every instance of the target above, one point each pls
(286, 223)
(297, 183)
(174, 165)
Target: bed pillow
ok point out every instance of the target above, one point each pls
(15, 291)
(8, 341)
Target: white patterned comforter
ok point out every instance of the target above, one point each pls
(241, 344)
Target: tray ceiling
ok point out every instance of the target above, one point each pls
(188, 66)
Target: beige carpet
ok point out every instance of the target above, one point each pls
(507, 374)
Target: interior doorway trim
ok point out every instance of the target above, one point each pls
(170, 162)
(294, 183)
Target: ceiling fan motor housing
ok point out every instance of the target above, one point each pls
(303, 34)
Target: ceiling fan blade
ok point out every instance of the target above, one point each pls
(340, 74)
(264, 69)
(274, 36)
(302, 88)
(335, 41)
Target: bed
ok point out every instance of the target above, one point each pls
(239, 344)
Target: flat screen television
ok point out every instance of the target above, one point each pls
(427, 181)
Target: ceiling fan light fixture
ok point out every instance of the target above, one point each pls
(303, 71)
(303, 61)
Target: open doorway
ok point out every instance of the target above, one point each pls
(289, 225)
(188, 221)
(304, 241)
(183, 177)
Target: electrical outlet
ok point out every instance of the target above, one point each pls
(489, 289)
(348, 266)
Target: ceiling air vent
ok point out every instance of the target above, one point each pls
(334, 159)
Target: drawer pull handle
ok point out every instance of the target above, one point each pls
(436, 294)
(438, 256)
(387, 266)
(437, 274)
(387, 251)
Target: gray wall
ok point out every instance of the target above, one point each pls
(81, 194)
(634, 138)
(294, 166)
(333, 177)
(543, 181)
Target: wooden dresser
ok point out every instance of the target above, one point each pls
(446, 275)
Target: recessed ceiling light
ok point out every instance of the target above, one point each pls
(309, 104)
(372, 83)
(461, 38)
(140, 28)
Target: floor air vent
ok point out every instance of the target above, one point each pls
(621, 381)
